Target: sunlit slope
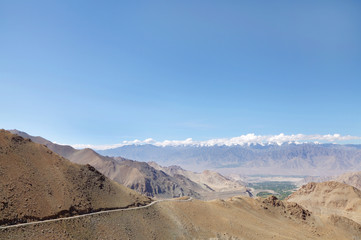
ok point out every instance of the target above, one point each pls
(236, 218)
(330, 198)
(36, 183)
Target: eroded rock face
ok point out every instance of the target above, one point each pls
(272, 200)
(329, 198)
(288, 208)
(17, 139)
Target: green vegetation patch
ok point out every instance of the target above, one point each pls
(282, 189)
(264, 194)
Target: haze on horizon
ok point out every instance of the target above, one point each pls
(95, 73)
(242, 140)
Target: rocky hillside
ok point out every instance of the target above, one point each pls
(352, 178)
(36, 183)
(83, 156)
(209, 180)
(235, 218)
(148, 180)
(135, 175)
(330, 198)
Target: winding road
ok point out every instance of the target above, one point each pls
(94, 213)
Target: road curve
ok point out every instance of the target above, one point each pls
(94, 213)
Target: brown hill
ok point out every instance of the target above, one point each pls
(135, 175)
(235, 218)
(330, 198)
(146, 179)
(83, 156)
(214, 185)
(210, 180)
(36, 183)
(353, 179)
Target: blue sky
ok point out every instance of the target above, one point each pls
(103, 72)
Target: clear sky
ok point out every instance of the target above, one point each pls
(100, 72)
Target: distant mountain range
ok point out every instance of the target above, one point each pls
(285, 159)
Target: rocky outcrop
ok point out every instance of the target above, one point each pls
(289, 209)
(330, 198)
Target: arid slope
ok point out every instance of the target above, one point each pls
(210, 180)
(330, 198)
(352, 178)
(236, 218)
(133, 174)
(36, 183)
(148, 180)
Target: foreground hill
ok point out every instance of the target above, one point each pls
(235, 218)
(286, 159)
(330, 198)
(135, 175)
(36, 183)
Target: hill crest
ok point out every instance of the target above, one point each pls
(36, 184)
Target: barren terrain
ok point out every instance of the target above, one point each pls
(36, 183)
(236, 218)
